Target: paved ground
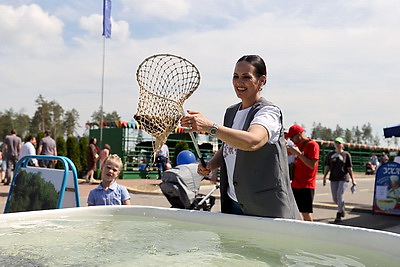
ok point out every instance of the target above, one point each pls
(359, 205)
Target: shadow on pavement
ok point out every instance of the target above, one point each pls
(372, 221)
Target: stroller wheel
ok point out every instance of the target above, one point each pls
(205, 206)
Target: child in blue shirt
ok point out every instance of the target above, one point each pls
(109, 192)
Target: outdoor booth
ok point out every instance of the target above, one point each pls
(135, 147)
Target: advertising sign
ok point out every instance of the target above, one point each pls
(387, 189)
(34, 188)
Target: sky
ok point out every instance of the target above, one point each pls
(331, 62)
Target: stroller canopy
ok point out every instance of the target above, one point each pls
(181, 185)
(186, 173)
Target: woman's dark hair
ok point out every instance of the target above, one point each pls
(29, 137)
(257, 63)
(92, 140)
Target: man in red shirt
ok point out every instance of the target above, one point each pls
(306, 154)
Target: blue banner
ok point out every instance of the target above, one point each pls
(107, 19)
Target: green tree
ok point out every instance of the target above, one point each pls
(113, 116)
(338, 132)
(376, 140)
(73, 151)
(61, 146)
(14, 120)
(39, 136)
(57, 118)
(180, 146)
(49, 115)
(357, 135)
(41, 120)
(348, 135)
(61, 150)
(83, 145)
(321, 132)
(71, 121)
(22, 123)
(367, 136)
(6, 122)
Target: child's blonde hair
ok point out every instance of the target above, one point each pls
(115, 158)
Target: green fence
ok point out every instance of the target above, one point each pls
(360, 154)
(136, 151)
(137, 154)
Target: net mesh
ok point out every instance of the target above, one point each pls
(165, 82)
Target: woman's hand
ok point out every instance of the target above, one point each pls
(196, 122)
(203, 171)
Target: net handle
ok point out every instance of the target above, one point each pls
(196, 145)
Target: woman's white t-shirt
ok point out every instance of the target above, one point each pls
(269, 117)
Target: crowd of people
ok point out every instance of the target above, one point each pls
(13, 149)
(253, 161)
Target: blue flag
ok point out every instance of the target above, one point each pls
(107, 19)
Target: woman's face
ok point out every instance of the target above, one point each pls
(110, 171)
(245, 82)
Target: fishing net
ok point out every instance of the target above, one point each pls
(165, 82)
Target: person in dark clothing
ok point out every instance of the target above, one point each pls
(91, 159)
(338, 163)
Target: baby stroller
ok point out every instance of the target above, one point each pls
(369, 168)
(180, 185)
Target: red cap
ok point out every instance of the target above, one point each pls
(295, 129)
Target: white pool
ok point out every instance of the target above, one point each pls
(150, 236)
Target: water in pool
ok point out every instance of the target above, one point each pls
(118, 240)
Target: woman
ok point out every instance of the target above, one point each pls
(91, 159)
(338, 163)
(253, 159)
(104, 153)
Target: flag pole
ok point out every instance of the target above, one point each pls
(102, 93)
(106, 34)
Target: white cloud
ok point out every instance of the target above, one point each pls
(160, 9)
(29, 29)
(93, 25)
(333, 63)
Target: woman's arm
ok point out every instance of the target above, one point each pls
(212, 164)
(216, 161)
(252, 139)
